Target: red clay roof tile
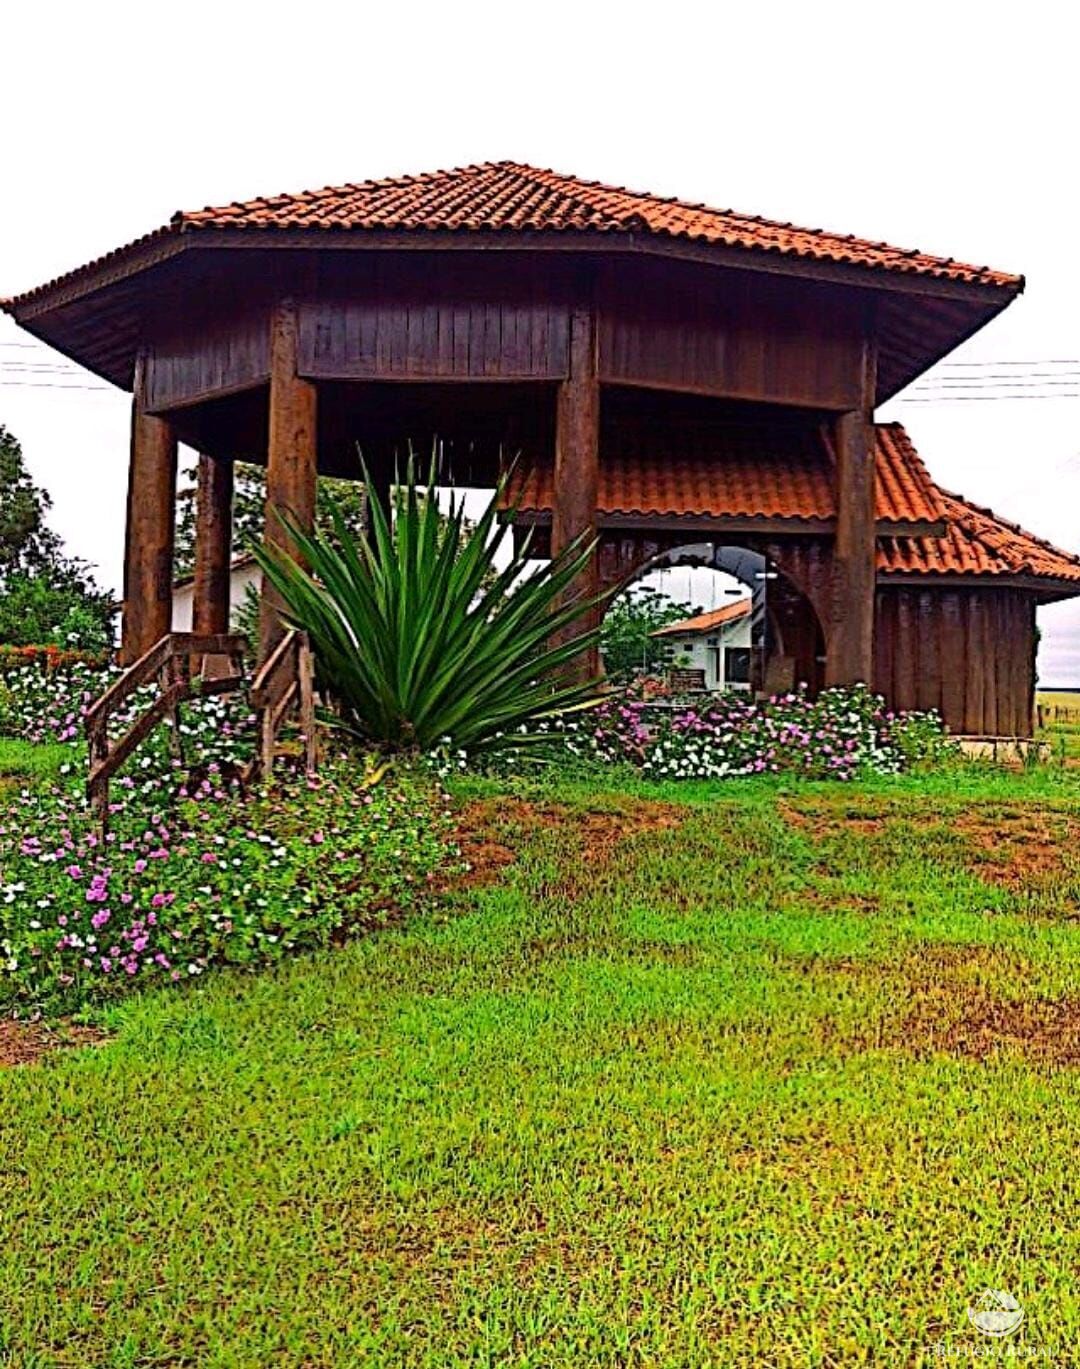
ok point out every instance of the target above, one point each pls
(744, 471)
(512, 197)
(705, 622)
(759, 473)
(978, 543)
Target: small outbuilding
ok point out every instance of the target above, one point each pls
(717, 643)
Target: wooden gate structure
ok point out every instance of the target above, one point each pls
(668, 372)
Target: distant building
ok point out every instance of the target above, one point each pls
(719, 643)
(243, 573)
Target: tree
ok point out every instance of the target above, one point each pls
(626, 641)
(46, 598)
(25, 541)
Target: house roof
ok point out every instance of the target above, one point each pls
(241, 561)
(744, 471)
(706, 622)
(512, 197)
(978, 543)
(774, 480)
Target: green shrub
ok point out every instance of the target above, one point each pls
(421, 642)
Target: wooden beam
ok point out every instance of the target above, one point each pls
(151, 521)
(850, 631)
(291, 456)
(577, 460)
(213, 545)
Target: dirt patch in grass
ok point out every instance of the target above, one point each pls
(1019, 847)
(824, 819)
(491, 832)
(1043, 1030)
(946, 999)
(24, 1043)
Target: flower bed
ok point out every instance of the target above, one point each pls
(840, 735)
(192, 877)
(193, 872)
(44, 701)
(45, 698)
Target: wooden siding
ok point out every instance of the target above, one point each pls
(969, 653)
(436, 318)
(726, 333)
(428, 316)
(197, 352)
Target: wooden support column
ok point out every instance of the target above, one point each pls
(291, 456)
(151, 522)
(213, 545)
(849, 650)
(577, 462)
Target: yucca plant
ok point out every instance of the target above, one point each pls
(418, 637)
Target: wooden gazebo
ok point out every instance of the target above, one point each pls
(663, 368)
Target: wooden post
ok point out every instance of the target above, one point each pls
(306, 682)
(213, 545)
(849, 650)
(151, 521)
(291, 457)
(577, 463)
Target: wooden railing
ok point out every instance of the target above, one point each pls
(169, 662)
(284, 680)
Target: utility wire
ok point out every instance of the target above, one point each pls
(987, 399)
(49, 385)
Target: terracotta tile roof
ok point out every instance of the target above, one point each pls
(744, 471)
(512, 197)
(979, 543)
(705, 622)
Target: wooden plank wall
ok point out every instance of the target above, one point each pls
(199, 349)
(969, 653)
(463, 316)
(436, 317)
(729, 333)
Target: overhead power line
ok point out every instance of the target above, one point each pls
(987, 398)
(50, 385)
(1047, 361)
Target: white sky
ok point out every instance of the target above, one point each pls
(949, 127)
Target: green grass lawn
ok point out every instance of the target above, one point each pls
(23, 761)
(738, 1075)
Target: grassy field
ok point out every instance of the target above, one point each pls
(747, 1074)
(1062, 713)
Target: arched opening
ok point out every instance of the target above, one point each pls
(726, 618)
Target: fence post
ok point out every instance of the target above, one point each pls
(306, 673)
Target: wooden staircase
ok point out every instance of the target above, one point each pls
(285, 680)
(185, 665)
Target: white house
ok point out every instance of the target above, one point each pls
(244, 572)
(719, 643)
